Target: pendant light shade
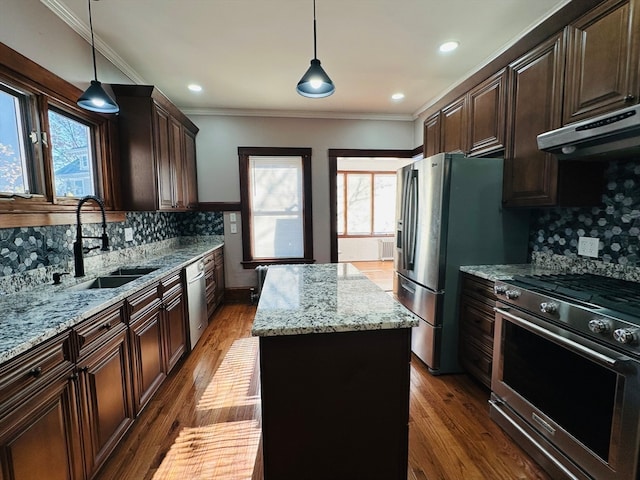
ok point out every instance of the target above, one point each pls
(95, 98)
(315, 83)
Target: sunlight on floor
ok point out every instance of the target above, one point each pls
(225, 446)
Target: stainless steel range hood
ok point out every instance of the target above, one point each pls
(612, 135)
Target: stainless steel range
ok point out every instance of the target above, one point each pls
(566, 374)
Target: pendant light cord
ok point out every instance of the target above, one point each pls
(315, 55)
(93, 47)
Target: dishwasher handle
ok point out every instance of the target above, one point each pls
(196, 278)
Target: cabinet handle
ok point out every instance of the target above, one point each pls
(629, 98)
(73, 376)
(106, 326)
(35, 372)
(84, 369)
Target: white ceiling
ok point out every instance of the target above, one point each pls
(248, 55)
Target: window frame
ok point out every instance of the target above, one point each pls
(372, 174)
(46, 90)
(249, 261)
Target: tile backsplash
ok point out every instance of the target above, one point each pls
(23, 249)
(615, 222)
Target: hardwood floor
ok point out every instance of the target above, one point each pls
(379, 272)
(204, 422)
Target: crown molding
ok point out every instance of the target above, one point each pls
(232, 112)
(82, 29)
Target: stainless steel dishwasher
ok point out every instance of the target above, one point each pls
(196, 301)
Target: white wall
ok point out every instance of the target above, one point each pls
(218, 180)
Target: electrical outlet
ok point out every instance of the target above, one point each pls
(232, 217)
(234, 228)
(128, 234)
(588, 246)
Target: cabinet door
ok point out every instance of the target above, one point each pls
(487, 115)
(534, 106)
(602, 61)
(174, 324)
(219, 262)
(148, 358)
(454, 127)
(177, 160)
(432, 134)
(189, 171)
(41, 439)
(105, 392)
(164, 167)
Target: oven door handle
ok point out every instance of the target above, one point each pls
(600, 358)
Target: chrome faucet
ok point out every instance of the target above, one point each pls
(78, 249)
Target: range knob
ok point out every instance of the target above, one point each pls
(512, 294)
(548, 307)
(599, 325)
(500, 289)
(627, 336)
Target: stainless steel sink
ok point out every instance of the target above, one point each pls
(105, 282)
(134, 271)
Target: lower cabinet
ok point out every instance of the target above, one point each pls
(214, 275)
(104, 381)
(477, 300)
(39, 423)
(147, 352)
(174, 326)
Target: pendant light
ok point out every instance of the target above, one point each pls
(315, 83)
(95, 98)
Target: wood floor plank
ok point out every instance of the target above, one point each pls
(204, 422)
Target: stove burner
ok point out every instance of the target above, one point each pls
(612, 293)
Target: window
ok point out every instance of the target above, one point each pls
(366, 203)
(16, 172)
(71, 152)
(276, 205)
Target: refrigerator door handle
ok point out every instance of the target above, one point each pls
(404, 217)
(412, 229)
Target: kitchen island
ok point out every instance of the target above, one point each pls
(334, 365)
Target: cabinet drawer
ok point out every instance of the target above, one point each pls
(478, 288)
(476, 361)
(218, 255)
(477, 314)
(94, 332)
(170, 285)
(23, 375)
(143, 300)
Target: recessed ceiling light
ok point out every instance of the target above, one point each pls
(195, 88)
(397, 96)
(449, 46)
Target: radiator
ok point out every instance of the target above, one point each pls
(261, 274)
(385, 249)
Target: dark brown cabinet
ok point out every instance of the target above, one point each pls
(147, 350)
(432, 129)
(454, 126)
(603, 60)
(104, 380)
(487, 116)
(173, 320)
(157, 151)
(214, 279)
(476, 321)
(535, 106)
(39, 423)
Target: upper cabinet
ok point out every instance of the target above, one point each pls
(603, 57)
(474, 124)
(157, 149)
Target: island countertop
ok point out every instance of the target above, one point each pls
(326, 298)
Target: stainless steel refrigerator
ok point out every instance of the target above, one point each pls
(449, 213)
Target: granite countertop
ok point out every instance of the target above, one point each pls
(34, 316)
(326, 298)
(504, 272)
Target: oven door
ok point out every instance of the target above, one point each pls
(572, 400)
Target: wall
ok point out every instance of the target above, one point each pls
(616, 221)
(218, 180)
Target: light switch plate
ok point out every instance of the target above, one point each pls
(232, 217)
(128, 234)
(588, 246)
(234, 228)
